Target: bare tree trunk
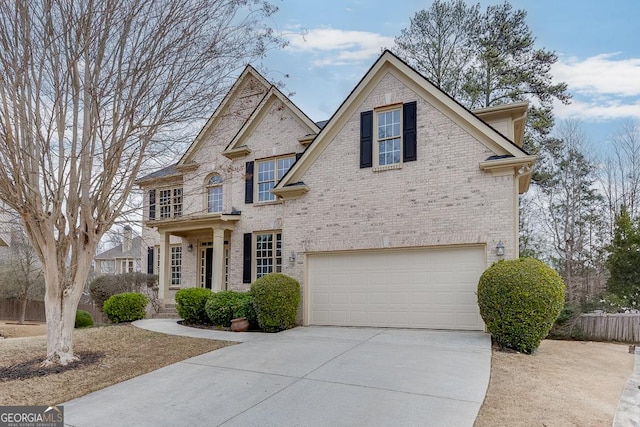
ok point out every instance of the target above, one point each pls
(89, 91)
(23, 309)
(61, 303)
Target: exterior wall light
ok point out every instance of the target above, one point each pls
(500, 248)
(292, 257)
(190, 247)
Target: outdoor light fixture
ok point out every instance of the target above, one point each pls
(292, 257)
(500, 248)
(190, 247)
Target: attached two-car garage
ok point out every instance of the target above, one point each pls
(405, 288)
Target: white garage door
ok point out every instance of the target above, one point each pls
(408, 288)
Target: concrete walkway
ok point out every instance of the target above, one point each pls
(628, 411)
(307, 376)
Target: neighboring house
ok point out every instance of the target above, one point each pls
(387, 215)
(124, 258)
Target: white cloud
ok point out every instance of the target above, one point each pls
(330, 47)
(600, 74)
(598, 109)
(604, 87)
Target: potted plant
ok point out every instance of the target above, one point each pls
(240, 323)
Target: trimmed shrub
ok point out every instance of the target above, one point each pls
(519, 301)
(245, 307)
(83, 319)
(223, 306)
(190, 303)
(219, 307)
(103, 287)
(276, 298)
(125, 307)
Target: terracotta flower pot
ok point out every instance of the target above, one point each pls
(241, 324)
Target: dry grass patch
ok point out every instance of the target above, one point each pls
(9, 329)
(566, 383)
(127, 352)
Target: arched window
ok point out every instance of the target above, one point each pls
(214, 193)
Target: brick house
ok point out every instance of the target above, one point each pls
(387, 213)
(123, 258)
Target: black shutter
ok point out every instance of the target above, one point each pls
(410, 149)
(150, 261)
(152, 204)
(248, 183)
(366, 139)
(246, 259)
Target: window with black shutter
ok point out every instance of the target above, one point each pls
(409, 128)
(248, 183)
(388, 136)
(246, 259)
(150, 261)
(152, 204)
(366, 139)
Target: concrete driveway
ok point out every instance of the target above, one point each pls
(307, 376)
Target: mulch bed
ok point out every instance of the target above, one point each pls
(32, 368)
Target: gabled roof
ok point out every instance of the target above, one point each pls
(117, 252)
(166, 172)
(248, 72)
(388, 62)
(261, 110)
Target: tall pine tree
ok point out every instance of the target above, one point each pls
(624, 259)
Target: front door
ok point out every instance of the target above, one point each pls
(208, 267)
(206, 264)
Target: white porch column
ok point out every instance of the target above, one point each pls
(218, 260)
(164, 275)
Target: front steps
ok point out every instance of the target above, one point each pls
(168, 311)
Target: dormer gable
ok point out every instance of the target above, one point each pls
(249, 84)
(238, 147)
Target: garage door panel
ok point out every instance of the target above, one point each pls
(417, 288)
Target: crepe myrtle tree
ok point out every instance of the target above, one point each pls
(88, 91)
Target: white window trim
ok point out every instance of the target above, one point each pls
(256, 181)
(376, 143)
(274, 256)
(178, 267)
(172, 204)
(208, 187)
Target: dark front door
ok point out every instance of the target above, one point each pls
(208, 267)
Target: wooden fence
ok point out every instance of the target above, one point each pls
(610, 327)
(10, 310)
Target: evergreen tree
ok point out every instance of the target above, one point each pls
(484, 59)
(624, 259)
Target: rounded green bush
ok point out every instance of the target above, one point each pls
(223, 306)
(519, 301)
(190, 303)
(125, 307)
(83, 319)
(275, 299)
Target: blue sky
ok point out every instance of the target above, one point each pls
(597, 42)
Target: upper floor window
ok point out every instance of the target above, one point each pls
(269, 173)
(214, 193)
(389, 138)
(170, 202)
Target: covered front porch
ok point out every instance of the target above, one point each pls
(206, 241)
